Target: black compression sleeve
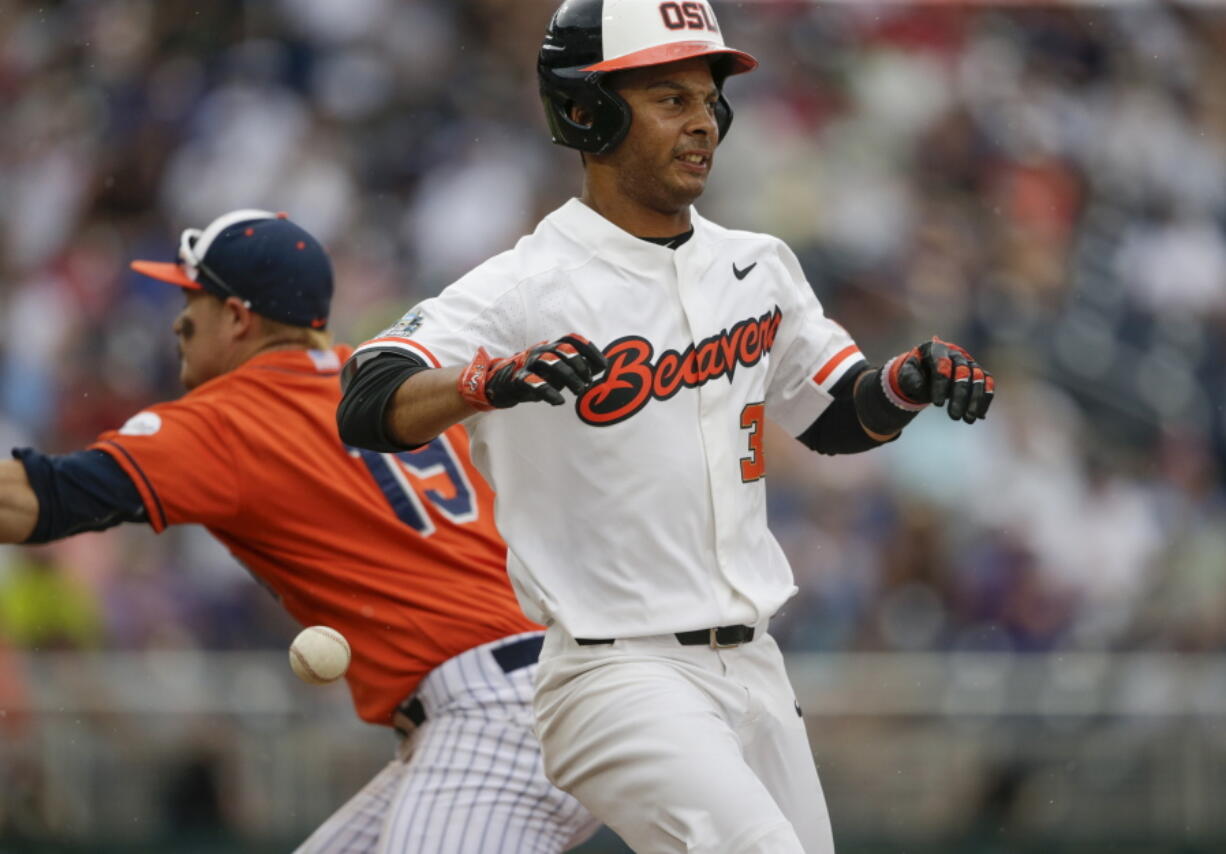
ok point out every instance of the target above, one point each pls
(360, 416)
(838, 430)
(84, 491)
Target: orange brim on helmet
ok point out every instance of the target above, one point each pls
(166, 271)
(675, 52)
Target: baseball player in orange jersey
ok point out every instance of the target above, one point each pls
(396, 551)
(636, 518)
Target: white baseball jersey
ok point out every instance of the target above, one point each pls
(640, 509)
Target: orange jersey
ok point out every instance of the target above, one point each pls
(397, 552)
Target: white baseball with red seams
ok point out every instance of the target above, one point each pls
(319, 655)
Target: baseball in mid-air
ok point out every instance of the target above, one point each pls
(319, 655)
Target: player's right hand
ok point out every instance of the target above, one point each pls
(538, 373)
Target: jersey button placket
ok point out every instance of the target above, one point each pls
(698, 303)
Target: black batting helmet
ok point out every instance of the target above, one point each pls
(588, 39)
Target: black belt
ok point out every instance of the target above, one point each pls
(723, 637)
(512, 657)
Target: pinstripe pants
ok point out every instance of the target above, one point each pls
(468, 780)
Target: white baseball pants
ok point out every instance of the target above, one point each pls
(682, 748)
(468, 779)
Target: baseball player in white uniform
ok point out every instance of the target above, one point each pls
(635, 516)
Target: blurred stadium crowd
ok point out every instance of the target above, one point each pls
(1044, 185)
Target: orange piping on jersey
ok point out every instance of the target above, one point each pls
(408, 341)
(835, 360)
(153, 504)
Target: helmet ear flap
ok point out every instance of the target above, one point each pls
(610, 115)
(723, 115)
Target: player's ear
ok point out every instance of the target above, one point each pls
(238, 318)
(581, 115)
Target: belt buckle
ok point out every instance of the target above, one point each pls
(715, 644)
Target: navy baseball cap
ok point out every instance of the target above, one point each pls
(273, 265)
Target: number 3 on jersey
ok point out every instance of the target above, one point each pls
(753, 467)
(432, 473)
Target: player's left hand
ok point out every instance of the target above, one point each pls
(939, 372)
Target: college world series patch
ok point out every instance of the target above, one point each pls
(142, 424)
(407, 325)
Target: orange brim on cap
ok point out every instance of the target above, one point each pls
(675, 52)
(167, 271)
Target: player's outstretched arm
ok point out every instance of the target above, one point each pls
(394, 402)
(45, 497)
(18, 503)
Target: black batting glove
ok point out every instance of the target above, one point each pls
(538, 373)
(942, 374)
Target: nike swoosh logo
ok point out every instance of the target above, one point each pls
(740, 274)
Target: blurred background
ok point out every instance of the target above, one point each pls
(1008, 638)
